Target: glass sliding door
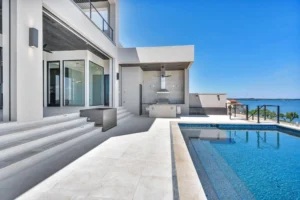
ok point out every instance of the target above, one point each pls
(96, 84)
(74, 83)
(53, 75)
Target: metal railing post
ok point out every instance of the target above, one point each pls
(90, 9)
(247, 112)
(278, 113)
(257, 114)
(234, 110)
(230, 112)
(265, 112)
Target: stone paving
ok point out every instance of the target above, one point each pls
(136, 166)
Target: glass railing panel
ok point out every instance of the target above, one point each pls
(91, 11)
(97, 19)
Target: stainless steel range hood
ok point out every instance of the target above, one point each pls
(163, 76)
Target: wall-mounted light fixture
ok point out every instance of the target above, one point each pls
(33, 37)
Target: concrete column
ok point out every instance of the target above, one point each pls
(186, 92)
(114, 21)
(6, 58)
(87, 81)
(26, 80)
(45, 83)
(61, 82)
(111, 85)
(116, 84)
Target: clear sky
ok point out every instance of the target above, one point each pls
(246, 48)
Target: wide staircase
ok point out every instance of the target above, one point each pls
(123, 115)
(30, 152)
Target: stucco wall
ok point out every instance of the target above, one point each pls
(208, 100)
(132, 77)
(27, 69)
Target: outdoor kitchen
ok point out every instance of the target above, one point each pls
(161, 90)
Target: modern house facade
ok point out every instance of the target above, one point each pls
(67, 54)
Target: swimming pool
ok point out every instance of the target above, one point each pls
(245, 161)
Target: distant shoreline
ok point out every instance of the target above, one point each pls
(255, 99)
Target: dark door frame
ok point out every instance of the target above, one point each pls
(48, 62)
(141, 99)
(106, 98)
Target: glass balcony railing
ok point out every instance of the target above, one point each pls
(91, 11)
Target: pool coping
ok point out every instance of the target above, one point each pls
(188, 183)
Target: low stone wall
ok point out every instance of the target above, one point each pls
(207, 111)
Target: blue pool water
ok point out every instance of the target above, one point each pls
(246, 164)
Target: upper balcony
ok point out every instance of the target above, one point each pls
(99, 13)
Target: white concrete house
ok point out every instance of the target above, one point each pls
(60, 56)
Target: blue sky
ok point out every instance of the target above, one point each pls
(246, 48)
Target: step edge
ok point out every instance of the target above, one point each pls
(15, 150)
(25, 163)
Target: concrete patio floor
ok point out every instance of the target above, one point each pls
(136, 166)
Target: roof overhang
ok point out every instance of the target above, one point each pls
(177, 57)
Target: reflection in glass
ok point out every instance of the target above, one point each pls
(74, 91)
(53, 84)
(96, 85)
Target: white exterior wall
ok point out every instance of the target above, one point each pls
(26, 71)
(132, 77)
(208, 100)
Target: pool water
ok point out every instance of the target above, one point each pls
(246, 164)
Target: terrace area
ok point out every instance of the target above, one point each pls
(152, 164)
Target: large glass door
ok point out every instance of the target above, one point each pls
(74, 83)
(96, 85)
(53, 74)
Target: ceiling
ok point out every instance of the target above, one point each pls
(59, 38)
(157, 66)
